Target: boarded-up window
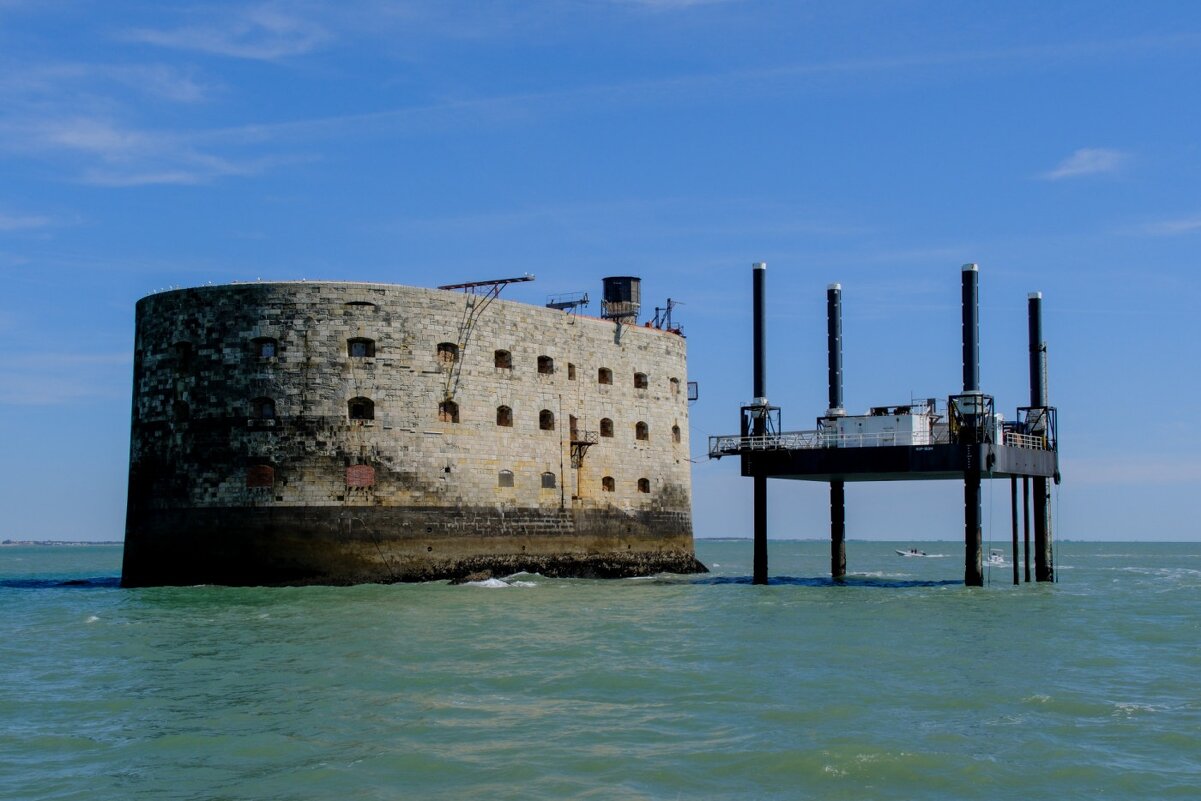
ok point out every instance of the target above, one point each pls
(504, 478)
(641, 431)
(604, 376)
(675, 433)
(546, 365)
(640, 381)
(644, 485)
(606, 425)
(448, 412)
(548, 481)
(546, 420)
(504, 416)
(573, 425)
(502, 360)
(361, 408)
(360, 348)
(608, 484)
(448, 353)
(360, 475)
(262, 409)
(260, 475)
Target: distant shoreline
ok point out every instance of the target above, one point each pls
(15, 543)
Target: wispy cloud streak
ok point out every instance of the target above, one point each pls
(1087, 161)
(262, 33)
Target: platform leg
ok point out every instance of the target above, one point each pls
(1013, 517)
(1026, 522)
(838, 531)
(1044, 567)
(973, 565)
(760, 547)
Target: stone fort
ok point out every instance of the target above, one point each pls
(336, 432)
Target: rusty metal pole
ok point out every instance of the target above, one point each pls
(759, 273)
(838, 517)
(973, 566)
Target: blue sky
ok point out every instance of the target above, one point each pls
(881, 145)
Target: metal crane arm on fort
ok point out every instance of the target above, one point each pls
(472, 310)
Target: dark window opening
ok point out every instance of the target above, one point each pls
(266, 348)
(546, 420)
(644, 485)
(570, 371)
(573, 425)
(361, 408)
(548, 481)
(448, 412)
(604, 376)
(608, 484)
(360, 348)
(504, 478)
(504, 416)
(546, 365)
(360, 305)
(503, 360)
(180, 411)
(675, 433)
(262, 409)
(606, 427)
(448, 353)
(183, 356)
(641, 431)
(675, 386)
(640, 381)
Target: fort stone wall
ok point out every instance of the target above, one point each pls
(340, 432)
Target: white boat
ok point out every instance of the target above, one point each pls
(910, 552)
(996, 557)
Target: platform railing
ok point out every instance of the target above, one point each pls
(732, 445)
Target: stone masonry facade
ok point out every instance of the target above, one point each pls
(340, 432)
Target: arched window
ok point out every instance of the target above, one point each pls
(640, 381)
(448, 412)
(675, 386)
(546, 365)
(259, 476)
(606, 427)
(504, 416)
(262, 409)
(546, 420)
(359, 305)
(570, 371)
(548, 481)
(608, 484)
(265, 348)
(504, 478)
(448, 353)
(675, 433)
(360, 408)
(604, 376)
(360, 348)
(644, 485)
(503, 360)
(641, 431)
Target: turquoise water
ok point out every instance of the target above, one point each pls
(904, 684)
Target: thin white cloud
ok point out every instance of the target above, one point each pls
(1087, 161)
(21, 222)
(1184, 225)
(261, 33)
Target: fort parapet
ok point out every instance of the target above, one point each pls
(320, 432)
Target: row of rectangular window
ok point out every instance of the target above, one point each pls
(447, 353)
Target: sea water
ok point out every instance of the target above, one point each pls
(900, 684)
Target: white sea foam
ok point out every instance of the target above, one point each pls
(91, 619)
(492, 583)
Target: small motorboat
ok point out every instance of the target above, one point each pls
(996, 557)
(910, 552)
